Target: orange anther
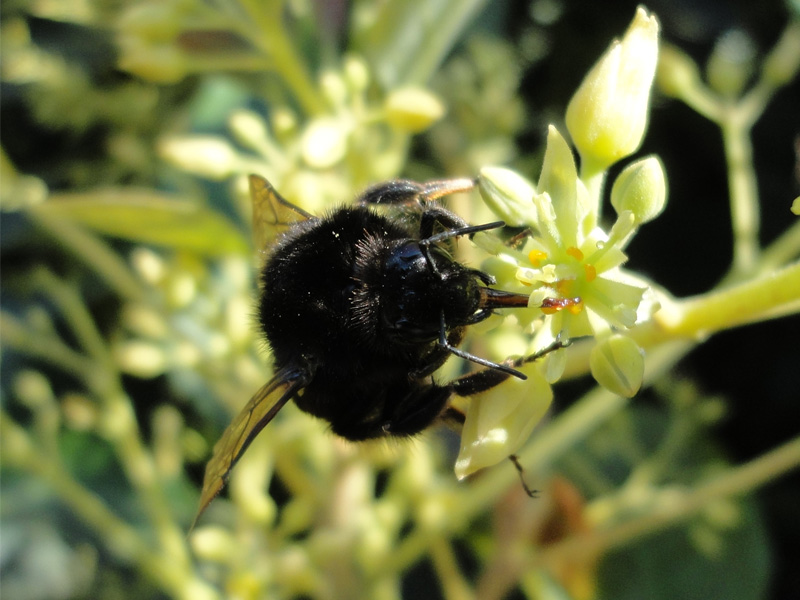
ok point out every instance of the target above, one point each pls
(591, 272)
(575, 253)
(536, 257)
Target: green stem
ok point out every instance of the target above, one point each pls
(75, 314)
(734, 482)
(49, 348)
(782, 250)
(92, 251)
(771, 295)
(683, 323)
(121, 539)
(140, 469)
(101, 376)
(451, 580)
(742, 190)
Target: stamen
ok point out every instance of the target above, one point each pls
(590, 271)
(575, 253)
(537, 257)
(564, 287)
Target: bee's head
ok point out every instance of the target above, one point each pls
(419, 285)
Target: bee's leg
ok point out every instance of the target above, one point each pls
(405, 191)
(444, 342)
(416, 411)
(436, 357)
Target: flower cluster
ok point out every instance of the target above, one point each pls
(568, 263)
(357, 138)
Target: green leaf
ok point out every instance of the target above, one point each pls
(149, 217)
(669, 565)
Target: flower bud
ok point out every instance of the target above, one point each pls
(324, 143)
(413, 109)
(213, 544)
(33, 389)
(731, 63)
(781, 64)
(158, 63)
(142, 359)
(501, 420)
(677, 72)
(607, 116)
(356, 73)
(796, 206)
(249, 129)
(153, 21)
(209, 156)
(509, 195)
(642, 189)
(617, 363)
(334, 88)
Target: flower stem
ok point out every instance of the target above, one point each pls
(93, 251)
(454, 586)
(769, 296)
(734, 482)
(121, 539)
(743, 191)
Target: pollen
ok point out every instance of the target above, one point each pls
(576, 307)
(590, 271)
(575, 253)
(536, 257)
(551, 306)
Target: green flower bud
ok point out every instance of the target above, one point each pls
(213, 544)
(731, 63)
(413, 109)
(617, 363)
(161, 63)
(209, 156)
(334, 88)
(677, 72)
(141, 359)
(641, 188)
(607, 116)
(509, 195)
(356, 73)
(796, 206)
(249, 129)
(33, 389)
(781, 65)
(152, 21)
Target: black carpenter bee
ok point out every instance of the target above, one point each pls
(359, 310)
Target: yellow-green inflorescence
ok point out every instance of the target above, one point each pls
(569, 263)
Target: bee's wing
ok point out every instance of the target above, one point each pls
(261, 409)
(272, 213)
